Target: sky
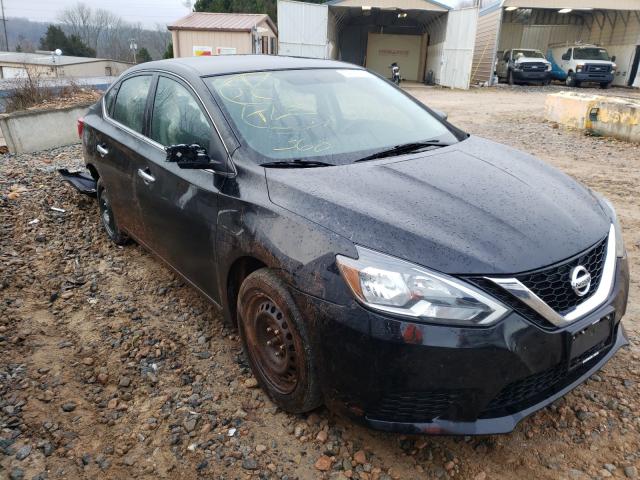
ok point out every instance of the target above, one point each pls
(147, 12)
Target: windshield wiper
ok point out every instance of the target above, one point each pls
(405, 148)
(296, 164)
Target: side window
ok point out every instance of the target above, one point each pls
(131, 101)
(109, 98)
(177, 117)
(567, 55)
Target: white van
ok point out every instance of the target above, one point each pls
(576, 64)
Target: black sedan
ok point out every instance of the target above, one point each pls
(374, 257)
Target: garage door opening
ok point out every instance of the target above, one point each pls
(376, 37)
(541, 25)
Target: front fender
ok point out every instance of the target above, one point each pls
(250, 225)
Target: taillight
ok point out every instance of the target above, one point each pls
(80, 126)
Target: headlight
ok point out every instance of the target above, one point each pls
(391, 285)
(620, 249)
(579, 68)
(548, 67)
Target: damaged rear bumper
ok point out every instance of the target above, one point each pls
(83, 182)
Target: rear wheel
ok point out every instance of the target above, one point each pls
(276, 342)
(108, 219)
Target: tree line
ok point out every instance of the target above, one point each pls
(89, 32)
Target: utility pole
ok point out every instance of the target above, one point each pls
(4, 24)
(133, 46)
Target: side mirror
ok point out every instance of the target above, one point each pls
(441, 115)
(189, 156)
(613, 59)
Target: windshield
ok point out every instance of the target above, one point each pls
(328, 115)
(590, 54)
(527, 53)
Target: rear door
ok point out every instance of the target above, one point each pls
(180, 206)
(120, 146)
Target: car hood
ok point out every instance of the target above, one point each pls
(595, 62)
(532, 60)
(475, 207)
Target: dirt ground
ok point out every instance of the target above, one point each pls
(111, 367)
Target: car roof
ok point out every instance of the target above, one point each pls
(225, 64)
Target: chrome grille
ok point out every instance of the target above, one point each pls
(553, 284)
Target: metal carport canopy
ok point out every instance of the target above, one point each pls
(432, 5)
(575, 4)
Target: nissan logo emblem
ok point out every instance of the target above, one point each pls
(580, 280)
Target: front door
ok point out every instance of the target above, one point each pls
(180, 206)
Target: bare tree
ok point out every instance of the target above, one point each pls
(77, 20)
(109, 35)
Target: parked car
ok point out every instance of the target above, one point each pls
(373, 256)
(577, 64)
(524, 65)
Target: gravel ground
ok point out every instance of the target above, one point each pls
(112, 367)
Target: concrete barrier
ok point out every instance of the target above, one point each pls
(33, 130)
(608, 116)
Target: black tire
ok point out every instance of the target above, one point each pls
(605, 85)
(107, 217)
(571, 80)
(276, 342)
(511, 80)
(547, 82)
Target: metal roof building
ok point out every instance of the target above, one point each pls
(14, 64)
(201, 33)
(540, 24)
(426, 38)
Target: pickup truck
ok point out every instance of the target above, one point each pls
(524, 65)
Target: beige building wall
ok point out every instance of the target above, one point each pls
(185, 40)
(99, 68)
(384, 49)
(486, 44)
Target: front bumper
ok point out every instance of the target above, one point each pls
(594, 77)
(531, 76)
(409, 377)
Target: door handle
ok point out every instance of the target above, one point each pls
(102, 150)
(147, 178)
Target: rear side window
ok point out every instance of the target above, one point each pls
(177, 116)
(130, 102)
(109, 98)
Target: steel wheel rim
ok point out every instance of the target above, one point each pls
(106, 215)
(272, 344)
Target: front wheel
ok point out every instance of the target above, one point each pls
(571, 80)
(511, 79)
(277, 343)
(605, 85)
